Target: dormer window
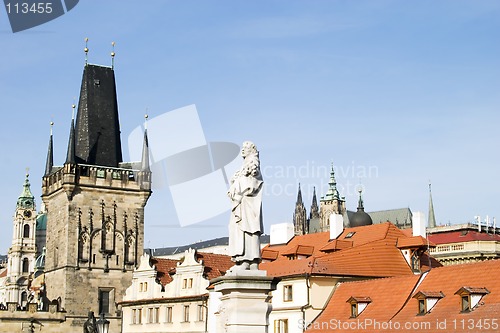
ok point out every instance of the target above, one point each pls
(427, 300)
(470, 297)
(358, 305)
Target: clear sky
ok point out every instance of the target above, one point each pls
(393, 93)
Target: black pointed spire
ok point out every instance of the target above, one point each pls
(299, 196)
(145, 149)
(50, 154)
(432, 217)
(314, 206)
(97, 129)
(70, 155)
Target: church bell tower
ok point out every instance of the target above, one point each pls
(23, 250)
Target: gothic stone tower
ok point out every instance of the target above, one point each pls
(95, 207)
(23, 250)
(331, 203)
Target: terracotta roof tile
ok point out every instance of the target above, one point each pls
(165, 268)
(414, 241)
(215, 264)
(392, 301)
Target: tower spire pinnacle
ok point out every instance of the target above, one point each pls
(70, 156)
(299, 195)
(314, 213)
(113, 55)
(26, 199)
(360, 201)
(145, 147)
(332, 193)
(432, 217)
(50, 153)
(86, 50)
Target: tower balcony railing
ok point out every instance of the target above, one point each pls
(92, 175)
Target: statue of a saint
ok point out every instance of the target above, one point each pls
(90, 326)
(245, 224)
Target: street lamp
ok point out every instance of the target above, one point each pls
(102, 324)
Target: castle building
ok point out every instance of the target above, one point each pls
(22, 253)
(94, 207)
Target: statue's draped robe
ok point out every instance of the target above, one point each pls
(245, 224)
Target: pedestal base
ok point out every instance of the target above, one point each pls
(245, 301)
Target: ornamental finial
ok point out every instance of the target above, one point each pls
(113, 55)
(86, 50)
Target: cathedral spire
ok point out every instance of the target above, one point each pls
(70, 156)
(332, 193)
(50, 153)
(300, 221)
(145, 148)
(299, 196)
(314, 206)
(432, 217)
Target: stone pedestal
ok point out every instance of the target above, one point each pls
(245, 301)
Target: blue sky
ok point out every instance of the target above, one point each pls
(394, 93)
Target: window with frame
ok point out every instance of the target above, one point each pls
(26, 231)
(150, 316)
(201, 312)
(422, 308)
(470, 297)
(185, 317)
(465, 303)
(156, 315)
(104, 300)
(288, 293)
(281, 326)
(184, 283)
(168, 314)
(26, 265)
(358, 305)
(134, 316)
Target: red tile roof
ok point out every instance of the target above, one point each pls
(461, 236)
(370, 252)
(3, 273)
(392, 301)
(165, 268)
(215, 265)
(414, 241)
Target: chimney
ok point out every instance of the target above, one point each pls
(281, 233)
(418, 224)
(336, 225)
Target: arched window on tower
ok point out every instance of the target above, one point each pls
(26, 265)
(26, 231)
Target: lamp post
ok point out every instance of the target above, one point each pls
(102, 324)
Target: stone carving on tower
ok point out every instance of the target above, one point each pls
(95, 206)
(330, 203)
(300, 221)
(22, 253)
